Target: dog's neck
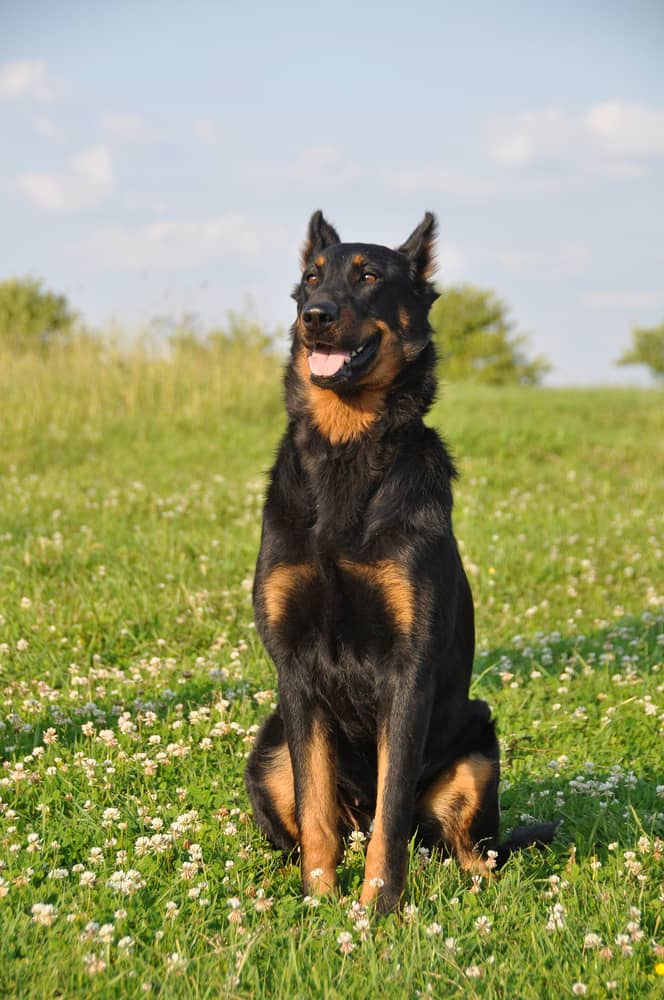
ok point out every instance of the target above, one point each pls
(361, 424)
(340, 478)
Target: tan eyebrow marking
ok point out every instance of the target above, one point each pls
(319, 261)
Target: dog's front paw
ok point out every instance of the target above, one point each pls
(380, 896)
(319, 881)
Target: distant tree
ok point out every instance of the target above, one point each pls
(647, 349)
(477, 341)
(31, 316)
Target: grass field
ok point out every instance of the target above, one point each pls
(132, 683)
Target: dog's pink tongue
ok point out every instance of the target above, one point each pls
(324, 361)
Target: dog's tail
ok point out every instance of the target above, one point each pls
(538, 835)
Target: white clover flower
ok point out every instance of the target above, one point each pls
(176, 961)
(44, 914)
(188, 870)
(345, 942)
(356, 840)
(556, 917)
(141, 846)
(94, 964)
(262, 902)
(58, 873)
(126, 882)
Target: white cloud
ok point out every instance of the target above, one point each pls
(607, 140)
(25, 78)
(517, 141)
(128, 127)
(46, 128)
(628, 130)
(327, 166)
(437, 180)
(179, 243)
(313, 166)
(87, 183)
(206, 130)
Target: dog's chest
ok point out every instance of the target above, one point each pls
(339, 606)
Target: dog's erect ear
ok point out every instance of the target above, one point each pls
(419, 248)
(320, 236)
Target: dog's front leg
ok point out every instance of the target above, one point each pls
(402, 730)
(313, 757)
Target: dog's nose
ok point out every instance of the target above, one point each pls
(320, 316)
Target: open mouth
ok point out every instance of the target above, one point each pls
(328, 364)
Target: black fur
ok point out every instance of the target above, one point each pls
(360, 595)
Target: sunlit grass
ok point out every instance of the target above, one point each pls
(132, 683)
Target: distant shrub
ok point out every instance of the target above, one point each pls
(186, 334)
(32, 317)
(647, 349)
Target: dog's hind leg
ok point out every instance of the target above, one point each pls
(461, 805)
(269, 781)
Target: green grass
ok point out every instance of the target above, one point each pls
(132, 682)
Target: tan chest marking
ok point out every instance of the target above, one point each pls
(280, 585)
(339, 420)
(394, 583)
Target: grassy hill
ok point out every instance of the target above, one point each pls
(132, 681)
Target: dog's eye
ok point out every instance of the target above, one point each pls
(311, 279)
(368, 278)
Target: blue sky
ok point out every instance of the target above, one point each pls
(161, 157)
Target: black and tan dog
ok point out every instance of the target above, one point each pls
(360, 595)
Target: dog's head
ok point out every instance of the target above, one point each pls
(361, 308)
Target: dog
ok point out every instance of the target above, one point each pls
(360, 596)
